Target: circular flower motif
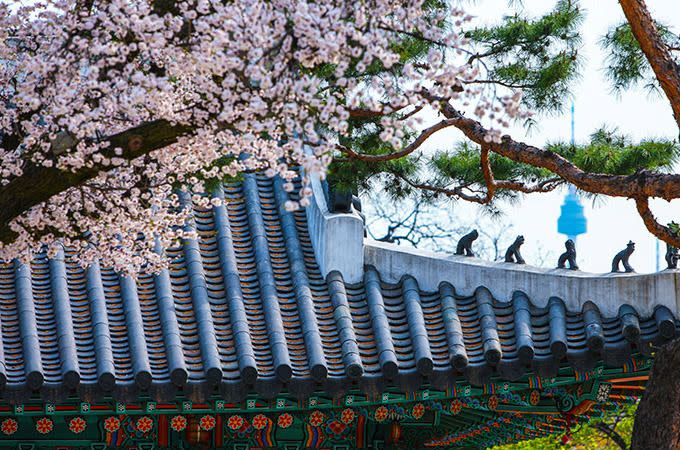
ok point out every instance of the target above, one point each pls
(77, 425)
(418, 411)
(112, 424)
(493, 403)
(316, 418)
(44, 425)
(144, 424)
(235, 422)
(284, 420)
(178, 423)
(381, 414)
(260, 421)
(9, 426)
(347, 416)
(534, 398)
(456, 407)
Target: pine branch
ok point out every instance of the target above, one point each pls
(656, 51)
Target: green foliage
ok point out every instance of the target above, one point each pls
(608, 152)
(587, 437)
(464, 166)
(626, 65)
(612, 153)
(539, 55)
(356, 175)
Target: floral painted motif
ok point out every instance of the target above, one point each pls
(603, 392)
(9, 426)
(44, 425)
(381, 414)
(418, 411)
(260, 421)
(456, 407)
(144, 424)
(534, 398)
(284, 420)
(112, 424)
(316, 418)
(235, 422)
(347, 416)
(178, 423)
(207, 422)
(493, 403)
(77, 425)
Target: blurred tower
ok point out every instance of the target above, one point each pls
(572, 221)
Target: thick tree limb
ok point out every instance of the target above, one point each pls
(39, 183)
(641, 184)
(638, 185)
(662, 232)
(656, 51)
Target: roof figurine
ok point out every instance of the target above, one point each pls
(513, 254)
(622, 258)
(671, 257)
(568, 256)
(464, 246)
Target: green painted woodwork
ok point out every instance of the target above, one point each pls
(464, 416)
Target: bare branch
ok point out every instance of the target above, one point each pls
(488, 173)
(611, 433)
(413, 146)
(460, 191)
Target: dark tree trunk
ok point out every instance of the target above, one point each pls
(657, 421)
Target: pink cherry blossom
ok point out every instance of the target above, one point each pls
(241, 75)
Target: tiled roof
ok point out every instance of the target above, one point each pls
(245, 308)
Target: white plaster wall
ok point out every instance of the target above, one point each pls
(609, 291)
(338, 239)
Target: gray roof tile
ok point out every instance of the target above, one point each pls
(244, 308)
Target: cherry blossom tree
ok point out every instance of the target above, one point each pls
(107, 109)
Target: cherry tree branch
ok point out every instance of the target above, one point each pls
(38, 183)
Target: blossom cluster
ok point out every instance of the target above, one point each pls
(259, 85)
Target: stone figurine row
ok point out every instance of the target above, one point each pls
(513, 255)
